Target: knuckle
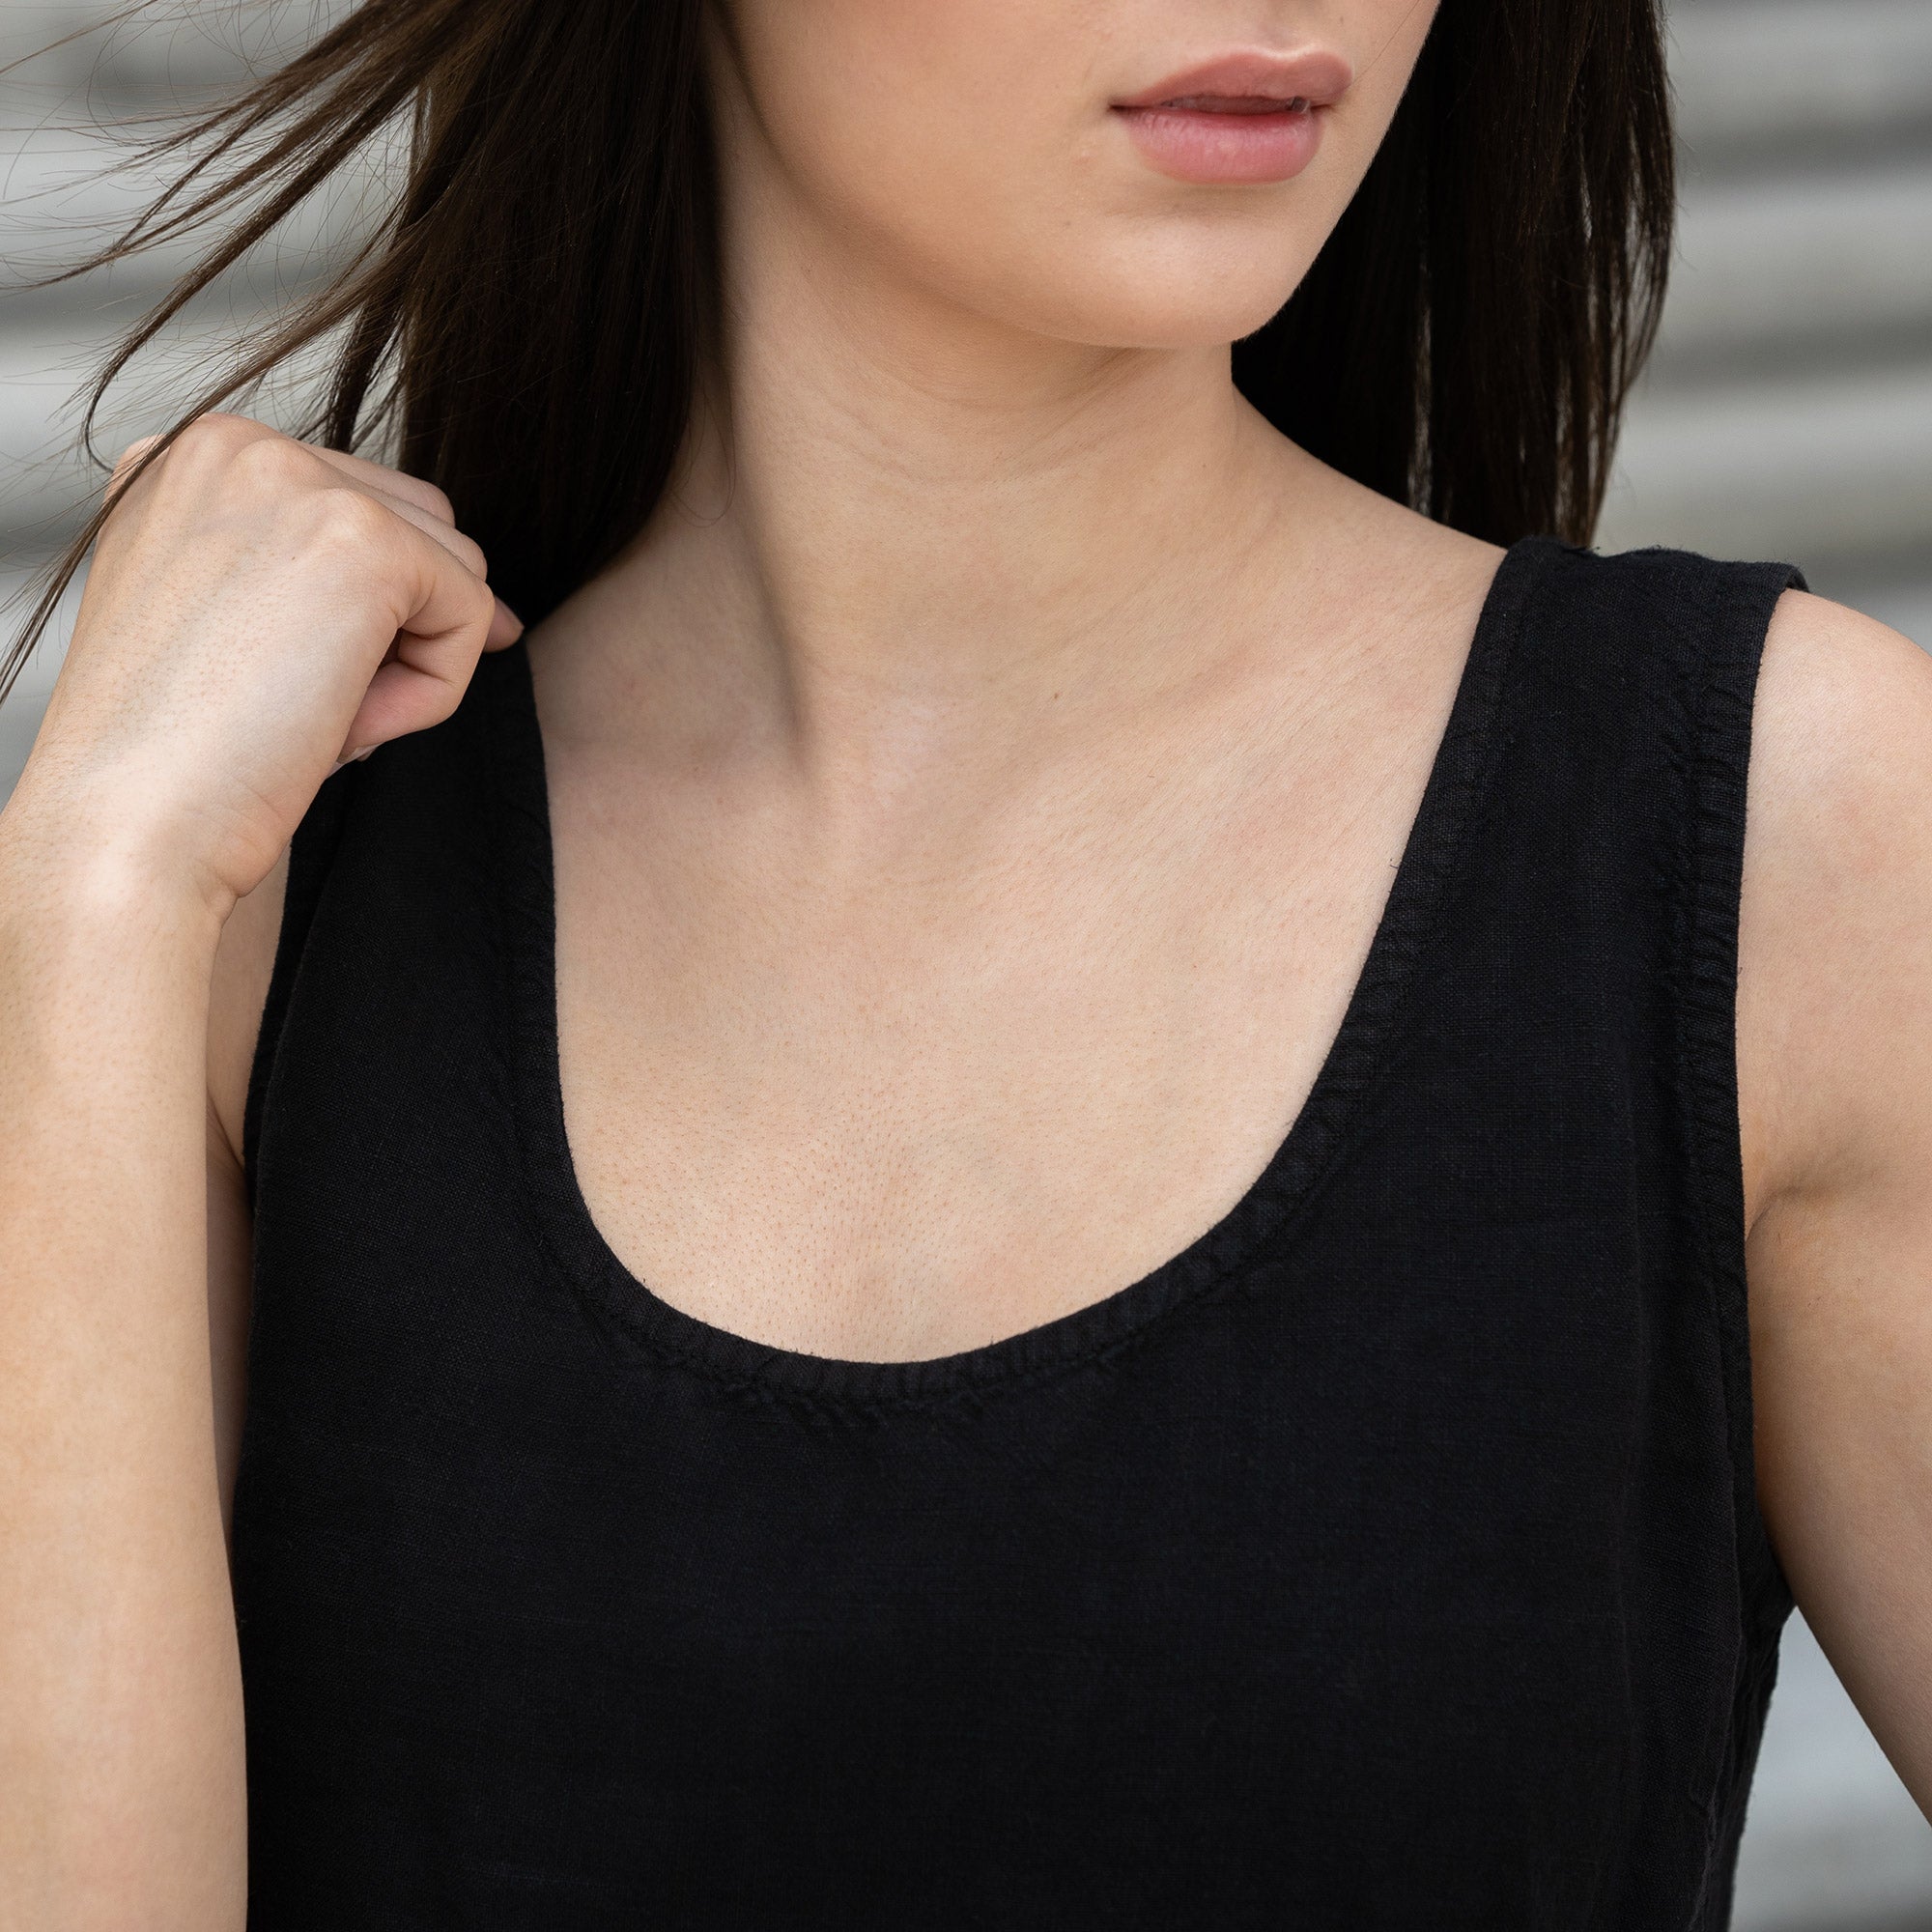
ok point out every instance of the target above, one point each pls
(470, 600)
(346, 518)
(219, 435)
(130, 457)
(267, 461)
(448, 695)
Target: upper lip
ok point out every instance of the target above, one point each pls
(1314, 75)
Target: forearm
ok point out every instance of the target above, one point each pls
(253, 607)
(120, 1759)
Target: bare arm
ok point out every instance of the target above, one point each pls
(253, 607)
(1834, 1041)
(117, 1651)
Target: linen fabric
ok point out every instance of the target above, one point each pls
(1388, 1558)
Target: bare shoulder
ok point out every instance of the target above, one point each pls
(243, 964)
(1834, 1081)
(1844, 702)
(1835, 1020)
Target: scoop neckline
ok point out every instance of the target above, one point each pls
(1280, 1194)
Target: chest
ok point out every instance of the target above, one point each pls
(899, 1106)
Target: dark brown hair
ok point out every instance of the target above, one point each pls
(528, 324)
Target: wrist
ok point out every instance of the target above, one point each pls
(95, 867)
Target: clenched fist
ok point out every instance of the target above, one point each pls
(257, 610)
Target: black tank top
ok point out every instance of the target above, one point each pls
(1388, 1557)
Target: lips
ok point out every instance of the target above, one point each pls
(1250, 83)
(1236, 104)
(1243, 119)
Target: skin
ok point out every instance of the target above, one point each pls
(911, 777)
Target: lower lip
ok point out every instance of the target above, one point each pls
(1194, 144)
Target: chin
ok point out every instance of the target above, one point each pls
(1215, 305)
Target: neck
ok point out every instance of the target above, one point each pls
(901, 527)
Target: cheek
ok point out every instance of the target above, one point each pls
(863, 94)
(947, 119)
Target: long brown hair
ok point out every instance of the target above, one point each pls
(528, 325)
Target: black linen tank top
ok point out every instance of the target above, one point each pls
(1389, 1557)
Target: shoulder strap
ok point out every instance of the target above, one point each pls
(1719, 682)
(1636, 693)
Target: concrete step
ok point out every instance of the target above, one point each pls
(1825, 469)
(1833, 266)
(1777, 83)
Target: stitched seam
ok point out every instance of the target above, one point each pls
(1333, 1125)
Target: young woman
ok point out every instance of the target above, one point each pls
(1014, 1185)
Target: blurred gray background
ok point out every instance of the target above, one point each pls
(1788, 414)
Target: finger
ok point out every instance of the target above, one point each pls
(401, 699)
(467, 551)
(505, 628)
(367, 475)
(443, 614)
